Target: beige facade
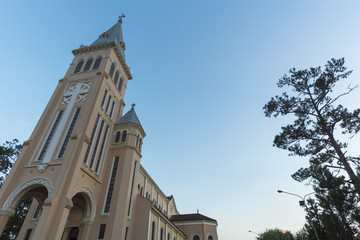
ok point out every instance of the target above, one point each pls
(81, 164)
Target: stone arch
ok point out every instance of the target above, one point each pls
(27, 187)
(89, 198)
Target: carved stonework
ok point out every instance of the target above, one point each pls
(81, 97)
(35, 181)
(66, 100)
(41, 168)
(80, 93)
(84, 189)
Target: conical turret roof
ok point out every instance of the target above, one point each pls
(130, 117)
(114, 34)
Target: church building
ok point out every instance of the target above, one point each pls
(82, 163)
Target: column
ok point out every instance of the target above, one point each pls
(85, 231)
(52, 222)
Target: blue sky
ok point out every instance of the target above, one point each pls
(202, 72)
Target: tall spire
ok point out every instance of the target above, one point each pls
(114, 34)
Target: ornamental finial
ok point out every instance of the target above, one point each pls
(133, 105)
(121, 17)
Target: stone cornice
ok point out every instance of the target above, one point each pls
(122, 145)
(130, 124)
(144, 172)
(106, 45)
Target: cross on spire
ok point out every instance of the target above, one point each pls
(133, 105)
(121, 17)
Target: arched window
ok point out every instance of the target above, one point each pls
(140, 143)
(97, 63)
(196, 237)
(168, 236)
(79, 66)
(174, 238)
(120, 84)
(112, 68)
(137, 140)
(117, 136)
(210, 238)
(88, 65)
(123, 137)
(116, 78)
(162, 234)
(153, 231)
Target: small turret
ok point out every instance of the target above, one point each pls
(128, 130)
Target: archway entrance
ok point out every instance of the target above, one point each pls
(75, 222)
(25, 205)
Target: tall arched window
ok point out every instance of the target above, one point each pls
(196, 237)
(162, 234)
(112, 68)
(88, 65)
(78, 66)
(137, 140)
(120, 84)
(97, 63)
(117, 137)
(140, 143)
(153, 231)
(123, 137)
(116, 78)
(210, 238)
(168, 236)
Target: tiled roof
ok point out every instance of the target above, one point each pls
(114, 34)
(130, 116)
(190, 217)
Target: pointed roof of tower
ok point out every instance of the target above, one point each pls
(112, 38)
(130, 116)
(114, 34)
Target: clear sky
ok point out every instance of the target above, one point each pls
(202, 72)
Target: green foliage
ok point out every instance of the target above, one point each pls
(276, 234)
(302, 234)
(317, 120)
(8, 154)
(335, 213)
(15, 222)
(320, 122)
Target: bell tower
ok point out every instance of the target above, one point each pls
(68, 162)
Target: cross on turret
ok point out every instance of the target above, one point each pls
(121, 17)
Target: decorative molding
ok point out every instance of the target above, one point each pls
(195, 223)
(123, 145)
(7, 212)
(130, 124)
(87, 139)
(81, 97)
(88, 192)
(41, 167)
(35, 181)
(106, 45)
